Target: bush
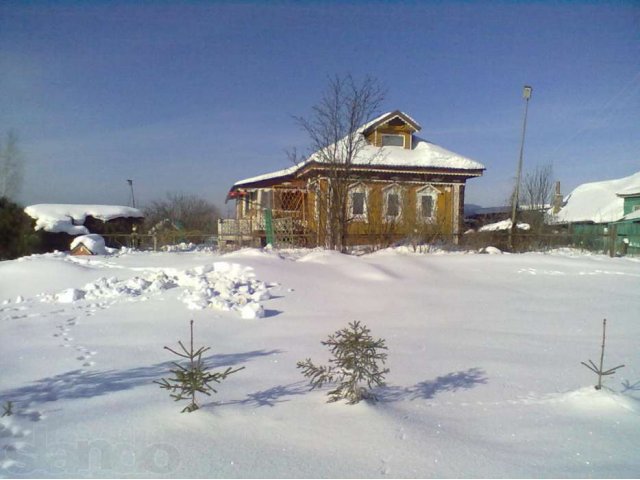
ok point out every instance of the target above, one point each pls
(194, 378)
(355, 363)
(17, 237)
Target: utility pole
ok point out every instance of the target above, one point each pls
(133, 198)
(526, 94)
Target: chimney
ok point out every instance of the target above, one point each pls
(557, 199)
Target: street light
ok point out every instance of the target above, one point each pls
(526, 94)
(133, 199)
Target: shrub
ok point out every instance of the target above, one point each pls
(193, 378)
(355, 363)
(17, 237)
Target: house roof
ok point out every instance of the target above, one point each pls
(69, 218)
(387, 117)
(423, 154)
(630, 191)
(597, 202)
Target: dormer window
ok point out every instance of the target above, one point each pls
(389, 140)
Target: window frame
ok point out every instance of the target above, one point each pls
(363, 189)
(387, 191)
(393, 135)
(427, 191)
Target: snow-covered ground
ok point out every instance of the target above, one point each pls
(484, 355)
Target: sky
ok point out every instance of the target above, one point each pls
(192, 96)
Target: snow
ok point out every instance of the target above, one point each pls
(503, 225)
(632, 216)
(484, 356)
(423, 154)
(92, 241)
(69, 218)
(598, 202)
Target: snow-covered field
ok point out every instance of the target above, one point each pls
(484, 355)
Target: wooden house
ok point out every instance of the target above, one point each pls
(604, 215)
(399, 185)
(58, 224)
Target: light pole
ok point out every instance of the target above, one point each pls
(526, 94)
(133, 199)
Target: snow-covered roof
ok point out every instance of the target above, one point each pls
(597, 202)
(632, 216)
(69, 218)
(631, 190)
(504, 225)
(388, 116)
(423, 154)
(94, 242)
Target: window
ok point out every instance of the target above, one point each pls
(358, 202)
(427, 203)
(392, 140)
(426, 206)
(393, 205)
(392, 202)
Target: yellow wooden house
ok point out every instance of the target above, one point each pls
(399, 186)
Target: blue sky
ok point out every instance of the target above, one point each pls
(192, 96)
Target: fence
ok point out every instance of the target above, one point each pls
(159, 241)
(234, 234)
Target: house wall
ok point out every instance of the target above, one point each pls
(631, 204)
(408, 222)
(375, 228)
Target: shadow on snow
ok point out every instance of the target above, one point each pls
(450, 382)
(86, 384)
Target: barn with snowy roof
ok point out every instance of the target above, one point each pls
(398, 184)
(58, 224)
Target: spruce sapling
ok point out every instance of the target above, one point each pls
(193, 378)
(355, 363)
(599, 370)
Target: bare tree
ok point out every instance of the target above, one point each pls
(11, 167)
(537, 187)
(336, 142)
(188, 212)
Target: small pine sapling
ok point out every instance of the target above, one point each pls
(193, 378)
(355, 363)
(599, 370)
(7, 409)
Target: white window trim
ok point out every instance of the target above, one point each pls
(358, 188)
(392, 189)
(404, 140)
(427, 191)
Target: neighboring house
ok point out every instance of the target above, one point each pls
(60, 223)
(478, 217)
(599, 209)
(400, 185)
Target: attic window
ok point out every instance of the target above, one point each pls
(392, 140)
